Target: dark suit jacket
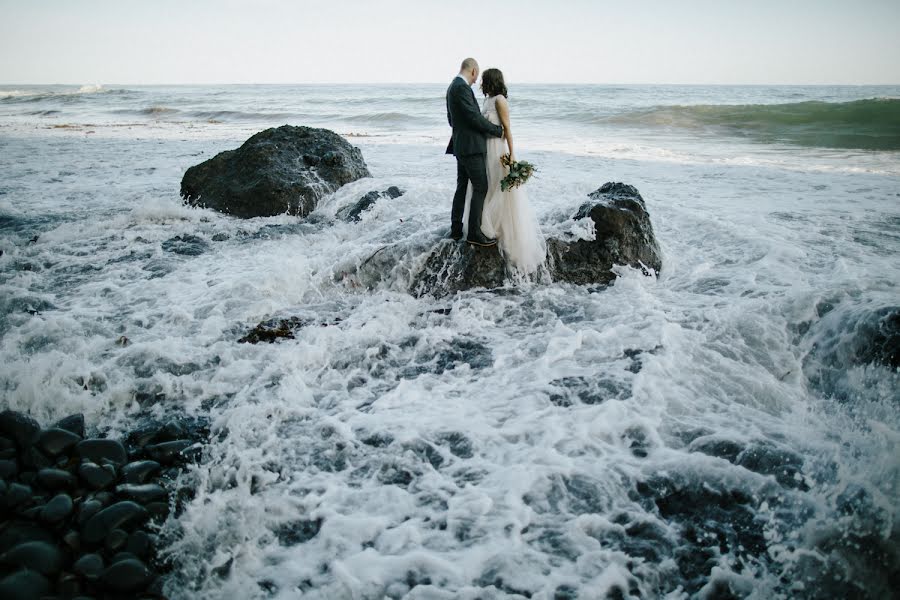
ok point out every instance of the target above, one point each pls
(469, 125)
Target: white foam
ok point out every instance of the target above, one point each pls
(709, 346)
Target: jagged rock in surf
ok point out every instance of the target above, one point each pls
(842, 341)
(280, 170)
(624, 236)
(876, 340)
(354, 213)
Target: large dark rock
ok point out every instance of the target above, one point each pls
(279, 170)
(624, 236)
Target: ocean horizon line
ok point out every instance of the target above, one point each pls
(407, 84)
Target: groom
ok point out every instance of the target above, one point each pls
(469, 146)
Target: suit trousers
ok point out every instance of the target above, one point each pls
(469, 168)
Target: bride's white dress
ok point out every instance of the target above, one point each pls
(508, 216)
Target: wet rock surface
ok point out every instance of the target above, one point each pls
(842, 341)
(353, 213)
(624, 236)
(280, 170)
(272, 330)
(453, 267)
(78, 517)
(186, 245)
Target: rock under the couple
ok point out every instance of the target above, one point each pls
(280, 170)
(624, 236)
(452, 267)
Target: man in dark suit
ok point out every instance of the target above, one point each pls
(469, 146)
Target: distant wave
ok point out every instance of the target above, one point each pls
(158, 110)
(163, 112)
(237, 115)
(872, 124)
(39, 94)
(384, 118)
(90, 89)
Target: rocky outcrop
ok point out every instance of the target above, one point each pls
(624, 236)
(280, 170)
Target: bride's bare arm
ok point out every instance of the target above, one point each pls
(503, 113)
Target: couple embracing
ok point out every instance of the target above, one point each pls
(481, 137)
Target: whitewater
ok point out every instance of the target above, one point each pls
(718, 428)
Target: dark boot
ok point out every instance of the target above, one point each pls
(479, 239)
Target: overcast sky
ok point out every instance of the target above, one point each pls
(355, 41)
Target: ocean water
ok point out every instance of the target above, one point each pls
(717, 427)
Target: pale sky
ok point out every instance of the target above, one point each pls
(398, 41)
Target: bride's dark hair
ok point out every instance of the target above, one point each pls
(492, 83)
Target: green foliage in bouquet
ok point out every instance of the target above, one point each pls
(519, 172)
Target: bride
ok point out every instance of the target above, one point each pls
(507, 215)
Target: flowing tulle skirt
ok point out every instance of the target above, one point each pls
(508, 216)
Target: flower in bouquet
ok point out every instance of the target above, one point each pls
(520, 171)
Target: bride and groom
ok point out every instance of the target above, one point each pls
(480, 138)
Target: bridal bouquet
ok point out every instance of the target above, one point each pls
(519, 172)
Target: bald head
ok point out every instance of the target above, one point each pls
(469, 70)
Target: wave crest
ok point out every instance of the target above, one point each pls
(870, 124)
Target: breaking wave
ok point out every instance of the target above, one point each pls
(871, 124)
(55, 93)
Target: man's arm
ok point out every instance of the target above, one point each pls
(468, 110)
(447, 101)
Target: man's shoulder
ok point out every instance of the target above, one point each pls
(456, 87)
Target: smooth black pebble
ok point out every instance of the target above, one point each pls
(24, 585)
(89, 565)
(19, 427)
(56, 441)
(8, 469)
(126, 576)
(55, 479)
(168, 452)
(95, 476)
(113, 517)
(143, 493)
(57, 509)
(137, 472)
(37, 556)
(100, 450)
(73, 423)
